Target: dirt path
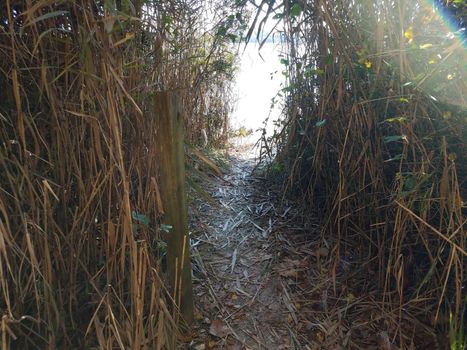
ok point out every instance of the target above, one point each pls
(240, 299)
(265, 278)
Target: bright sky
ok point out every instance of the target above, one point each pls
(254, 86)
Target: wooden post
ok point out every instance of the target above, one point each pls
(173, 194)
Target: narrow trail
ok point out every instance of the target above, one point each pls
(265, 278)
(240, 300)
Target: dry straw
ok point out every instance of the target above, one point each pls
(375, 136)
(79, 198)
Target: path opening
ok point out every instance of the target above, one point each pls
(258, 82)
(239, 295)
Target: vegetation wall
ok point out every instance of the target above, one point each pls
(374, 141)
(80, 210)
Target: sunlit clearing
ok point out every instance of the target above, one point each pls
(258, 82)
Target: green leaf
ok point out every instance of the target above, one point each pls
(393, 138)
(162, 247)
(166, 228)
(284, 61)
(410, 183)
(222, 31)
(42, 18)
(143, 219)
(402, 99)
(401, 120)
(168, 20)
(48, 15)
(233, 38)
(295, 10)
(321, 123)
(396, 157)
(426, 46)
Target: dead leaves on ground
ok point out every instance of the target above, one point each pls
(219, 329)
(291, 268)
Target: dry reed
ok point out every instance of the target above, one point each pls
(374, 136)
(80, 209)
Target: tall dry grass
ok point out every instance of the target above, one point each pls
(375, 136)
(199, 59)
(77, 159)
(80, 209)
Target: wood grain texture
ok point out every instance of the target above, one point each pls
(173, 194)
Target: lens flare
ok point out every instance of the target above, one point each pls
(453, 26)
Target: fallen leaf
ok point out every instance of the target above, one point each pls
(350, 297)
(323, 251)
(200, 346)
(236, 346)
(198, 314)
(219, 329)
(211, 344)
(288, 273)
(319, 336)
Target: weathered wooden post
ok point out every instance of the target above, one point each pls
(173, 194)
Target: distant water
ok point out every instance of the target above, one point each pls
(255, 88)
